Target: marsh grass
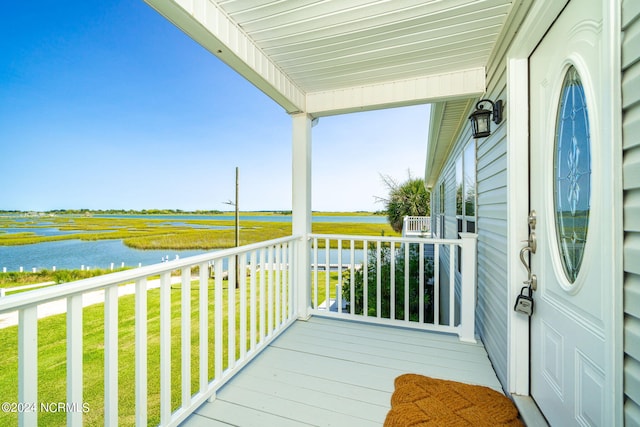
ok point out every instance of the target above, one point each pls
(153, 233)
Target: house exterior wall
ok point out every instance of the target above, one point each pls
(631, 182)
(448, 178)
(491, 227)
(493, 304)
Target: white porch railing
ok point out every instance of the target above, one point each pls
(368, 285)
(261, 308)
(370, 278)
(416, 226)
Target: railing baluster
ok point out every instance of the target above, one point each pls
(27, 364)
(243, 306)
(218, 316)
(141, 352)
(253, 322)
(392, 293)
(186, 336)
(378, 279)
(436, 284)
(283, 287)
(290, 284)
(315, 272)
(327, 271)
(365, 278)
(352, 288)
(277, 279)
(452, 284)
(339, 289)
(263, 295)
(165, 347)
(74, 358)
(270, 311)
(407, 265)
(204, 327)
(111, 356)
(231, 312)
(421, 290)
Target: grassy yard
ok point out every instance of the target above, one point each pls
(52, 356)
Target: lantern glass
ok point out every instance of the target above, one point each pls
(480, 123)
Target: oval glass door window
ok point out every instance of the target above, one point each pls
(572, 174)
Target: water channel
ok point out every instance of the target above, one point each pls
(79, 254)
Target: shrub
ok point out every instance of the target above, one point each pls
(385, 284)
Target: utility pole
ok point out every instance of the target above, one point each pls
(237, 211)
(237, 225)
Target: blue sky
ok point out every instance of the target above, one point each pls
(105, 104)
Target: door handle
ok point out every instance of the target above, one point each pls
(532, 245)
(532, 280)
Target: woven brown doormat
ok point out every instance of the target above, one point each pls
(420, 401)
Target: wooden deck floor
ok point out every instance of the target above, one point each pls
(327, 372)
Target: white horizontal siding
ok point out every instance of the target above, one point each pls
(492, 314)
(631, 179)
(492, 304)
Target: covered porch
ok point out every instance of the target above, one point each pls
(263, 346)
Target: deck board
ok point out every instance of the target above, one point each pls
(333, 372)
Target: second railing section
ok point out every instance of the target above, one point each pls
(411, 282)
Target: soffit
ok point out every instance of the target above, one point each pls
(447, 120)
(329, 45)
(364, 53)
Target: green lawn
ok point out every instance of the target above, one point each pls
(52, 355)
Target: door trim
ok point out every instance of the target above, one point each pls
(534, 27)
(538, 21)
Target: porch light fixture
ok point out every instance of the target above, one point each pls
(480, 125)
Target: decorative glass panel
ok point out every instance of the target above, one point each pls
(572, 174)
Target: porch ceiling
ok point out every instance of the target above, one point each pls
(328, 57)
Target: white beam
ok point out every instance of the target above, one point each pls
(208, 25)
(427, 89)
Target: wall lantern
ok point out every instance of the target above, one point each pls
(480, 125)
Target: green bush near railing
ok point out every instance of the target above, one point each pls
(400, 264)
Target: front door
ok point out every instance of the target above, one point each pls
(571, 327)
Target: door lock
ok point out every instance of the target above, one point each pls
(524, 303)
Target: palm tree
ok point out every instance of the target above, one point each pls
(410, 198)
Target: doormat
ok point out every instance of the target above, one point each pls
(420, 401)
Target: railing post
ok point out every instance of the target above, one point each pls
(405, 226)
(468, 300)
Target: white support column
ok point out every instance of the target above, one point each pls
(469, 281)
(301, 215)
